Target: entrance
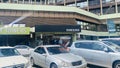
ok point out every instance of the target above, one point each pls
(54, 39)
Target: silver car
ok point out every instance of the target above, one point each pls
(24, 49)
(98, 53)
(55, 56)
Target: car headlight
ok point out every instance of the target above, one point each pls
(65, 64)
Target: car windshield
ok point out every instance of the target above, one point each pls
(113, 46)
(56, 50)
(21, 47)
(8, 52)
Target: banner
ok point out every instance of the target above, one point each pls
(14, 30)
(111, 26)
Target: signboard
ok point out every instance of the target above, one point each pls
(57, 28)
(111, 26)
(14, 30)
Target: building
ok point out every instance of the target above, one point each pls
(57, 18)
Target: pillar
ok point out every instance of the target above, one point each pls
(101, 9)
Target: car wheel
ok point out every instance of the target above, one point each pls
(53, 66)
(116, 65)
(32, 62)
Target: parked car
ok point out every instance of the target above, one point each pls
(113, 40)
(11, 58)
(24, 49)
(55, 56)
(97, 53)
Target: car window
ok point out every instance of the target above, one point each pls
(83, 45)
(90, 45)
(8, 52)
(40, 50)
(98, 46)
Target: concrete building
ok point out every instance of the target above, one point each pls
(67, 15)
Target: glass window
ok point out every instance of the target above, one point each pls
(98, 46)
(90, 45)
(40, 50)
(84, 45)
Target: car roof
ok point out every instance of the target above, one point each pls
(110, 39)
(48, 46)
(87, 41)
(3, 47)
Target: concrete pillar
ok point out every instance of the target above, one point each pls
(23, 1)
(116, 6)
(64, 2)
(48, 2)
(75, 3)
(74, 37)
(1, 1)
(35, 2)
(101, 9)
(45, 2)
(9, 1)
(54, 2)
(88, 5)
(30, 2)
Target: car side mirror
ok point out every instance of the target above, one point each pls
(106, 49)
(28, 48)
(44, 55)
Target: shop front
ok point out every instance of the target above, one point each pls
(55, 34)
(11, 36)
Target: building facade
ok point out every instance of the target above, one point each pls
(90, 15)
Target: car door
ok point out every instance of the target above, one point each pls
(39, 56)
(83, 49)
(100, 57)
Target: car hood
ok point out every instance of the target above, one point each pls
(12, 60)
(68, 57)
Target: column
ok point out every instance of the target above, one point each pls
(45, 2)
(116, 7)
(74, 37)
(64, 2)
(75, 3)
(35, 2)
(87, 5)
(30, 2)
(48, 2)
(17, 1)
(9, 1)
(101, 9)
(54, 2)
(40, 1)
(23, 1)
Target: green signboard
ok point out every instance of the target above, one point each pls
(14, 30)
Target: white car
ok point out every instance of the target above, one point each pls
(10, 58)
(98, 53)
(24, 49)
(55, 56)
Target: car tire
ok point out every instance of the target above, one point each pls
(32, 62)
(53, 65)
(116, 65)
